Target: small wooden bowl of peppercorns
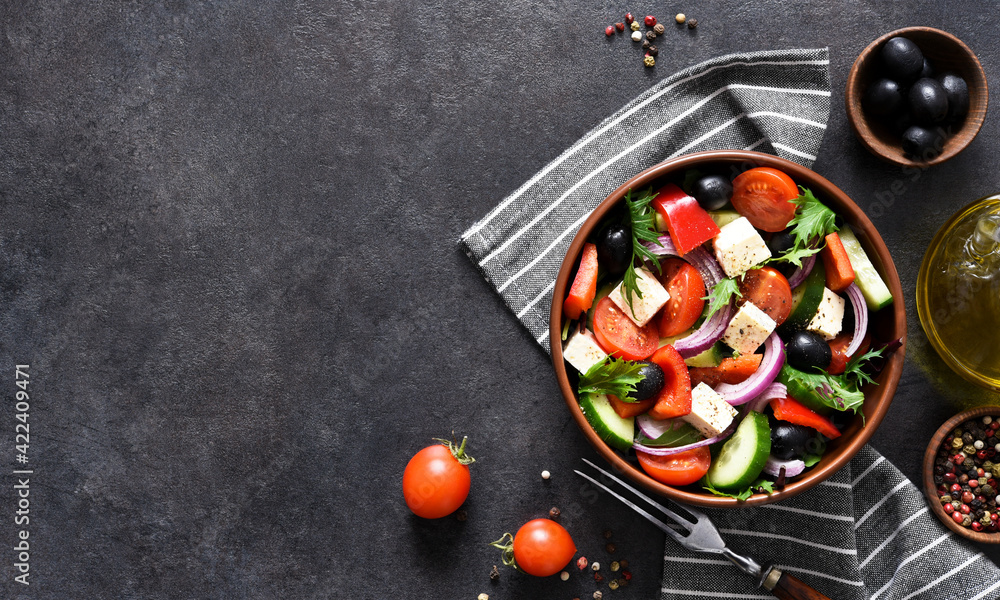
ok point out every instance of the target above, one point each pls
(967, 444)
(916, 96)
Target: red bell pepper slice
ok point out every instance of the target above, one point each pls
(793, 411)
(584, 288)
(689, 224)
(674, 400)
(839, 271)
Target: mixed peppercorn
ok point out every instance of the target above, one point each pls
(653, 29)
(966, 475)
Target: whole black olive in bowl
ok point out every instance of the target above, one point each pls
(957, 91)
(808, 351)
(928, 101)
(902, 59)
(883, 98)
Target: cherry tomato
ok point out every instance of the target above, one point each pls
(838, 347)
(769, 291)
(687, 290)
(543, 547)
(436, 480)
(677, 469)
(619, 336)
(764, 196)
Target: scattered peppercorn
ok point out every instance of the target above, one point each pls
(598, 577)
(495, 574)
(546, 475)
(615, 566)
(554, 513)
(596, 566)
(629, 18)
(607, 534)
(598, 595)
(626, 574)
(650, 21)
(610, 548)
(613, 584)
(653, 50)
(645, 44)
(609, 30)
(564, 576)
(623, 563)
(484, 597)
(658, 28)
(651, 35)
(680, 18)
(620, 26)
(636, 36)
(461, 515)
(692, 23)
(634, 26)
(649, 61)
(581, 563)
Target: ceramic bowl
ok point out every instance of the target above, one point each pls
(930, 488)
(887, 324)
(946, 53)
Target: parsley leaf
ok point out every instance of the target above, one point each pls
(643, 223)
(836, 391)
(855, 367)
(721, 295)
(614, 376)
(763, 486)
(812, 221)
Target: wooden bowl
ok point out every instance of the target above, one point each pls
(887, 324)
(946, 53)
(930, 490)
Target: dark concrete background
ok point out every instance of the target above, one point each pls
(228, 252)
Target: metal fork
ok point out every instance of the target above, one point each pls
(703, 536)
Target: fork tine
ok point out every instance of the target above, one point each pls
(660, 524)
(686, 523)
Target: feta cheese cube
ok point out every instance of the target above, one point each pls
(748, 329)
(738, 247)
(654, 296)
(582, 351)
(710, 413)
(829, 318)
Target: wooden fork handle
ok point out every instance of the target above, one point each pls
(786, 587)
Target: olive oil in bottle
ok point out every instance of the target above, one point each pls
(958, 292)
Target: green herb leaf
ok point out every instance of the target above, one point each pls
(682, 436)
(643, 223)
(811, 459)
(813, 221)
(614, 376)
(720, 295)
(836, 391)
(855, 367)
(763, 486)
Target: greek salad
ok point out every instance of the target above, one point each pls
(720, 329)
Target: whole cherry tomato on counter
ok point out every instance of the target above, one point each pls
(541, 548)
(436, 480)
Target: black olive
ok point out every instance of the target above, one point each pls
(807, 351)
(900, 122)
(921, 143)
(928, 101)
(928, 70)
(712, 191)
(902, 59)
(781, 242)
(958, 95)
(883, 98)
(789, 441)
(651, 384)
(614, 249)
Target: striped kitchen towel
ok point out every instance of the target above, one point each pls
(865, 533)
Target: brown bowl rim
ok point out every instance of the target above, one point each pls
(870, 238)
(930, 490)
(964, 136)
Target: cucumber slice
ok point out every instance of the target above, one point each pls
(616, 431)
(743, 456)
(872, 286)
(724, 217)
(805, 300)
(709, 358)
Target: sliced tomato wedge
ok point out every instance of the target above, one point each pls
(683, 468)
(730, 370)
(620, 336)
(630, 409)
(769, 291)
(674, 400)
(584, 288)
(764, 196)
(838, 350)
(687, 292)
(793, 411)
(689, 224)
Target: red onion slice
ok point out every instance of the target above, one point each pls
(792, 467)
(770, 366)
(712, 329)
(665, 451)
(653, 428)
(775, 390)
(860, 317)
(800, 274)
